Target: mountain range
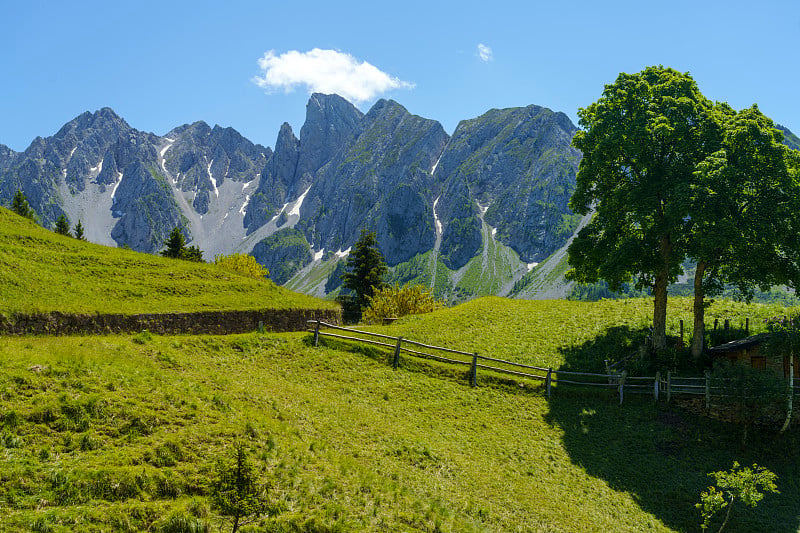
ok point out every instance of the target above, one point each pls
(481, 211)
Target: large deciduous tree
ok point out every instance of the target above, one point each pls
(641, 143)
(743, 225)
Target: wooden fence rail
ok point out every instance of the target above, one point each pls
(661, 387)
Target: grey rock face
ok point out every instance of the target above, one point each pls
(331, 122)
(389, 161)
(513, 168)
(201, 159)
(519, 165)
(789, 139)
(144, 195)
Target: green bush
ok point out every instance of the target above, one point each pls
(243, 264)
(395, 301)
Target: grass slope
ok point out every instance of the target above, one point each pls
(124, 433)
(42, 271)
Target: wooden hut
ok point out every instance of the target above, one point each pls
(748, 351)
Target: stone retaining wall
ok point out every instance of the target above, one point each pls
(203, 322)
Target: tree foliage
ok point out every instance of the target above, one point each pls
(243, 264)
(641, 143)
(747, 485)
(175, 247)
(365, 269)
(670, 175)
(395, 301)
(78, 231)
(21, 207)
(237, 491)
(62, 226)
(743, 213)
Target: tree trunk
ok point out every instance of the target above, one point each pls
(660, 294)
(698, 334)
(790, 392)
(660, 311)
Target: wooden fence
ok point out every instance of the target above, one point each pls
(660, 387)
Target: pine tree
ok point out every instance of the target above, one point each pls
(21, 207)
(62, 226)
(193, 253)
(365, 269)
(78, 231)
(175, 245)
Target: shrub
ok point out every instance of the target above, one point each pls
(745, 484)
(242, 264)
(396, 301)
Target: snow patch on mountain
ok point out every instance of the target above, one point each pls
(213, 181)
(295, 210)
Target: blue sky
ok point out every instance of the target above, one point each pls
(163, 64)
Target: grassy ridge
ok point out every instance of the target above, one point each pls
(555, 333)
(123, 433)
(42, 271)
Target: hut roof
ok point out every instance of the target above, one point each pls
(739, 344)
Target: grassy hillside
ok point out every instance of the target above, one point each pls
(125, 433)
(42, 271)
(556, 333)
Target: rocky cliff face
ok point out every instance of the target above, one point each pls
(331, 123)
(129, 187)
(503, 179)
(516, 166)
(380, 181)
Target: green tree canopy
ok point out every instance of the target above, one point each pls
(21, 207)
(365, 269)
(641, 143)
(62, 226)
(743, 223)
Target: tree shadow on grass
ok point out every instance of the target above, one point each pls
(661, 454)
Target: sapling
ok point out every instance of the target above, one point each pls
(745, 484)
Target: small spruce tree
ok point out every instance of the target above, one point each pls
(237, 491)
(78, 231)
(193, 253)
(21, 207)
(175, 245)
(365, 270)
(62, 226)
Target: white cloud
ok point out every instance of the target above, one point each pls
(485, 53)
(325, 71)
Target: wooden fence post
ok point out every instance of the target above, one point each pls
(473, 372)
(708, 389)
(316, 333)
(396, 360)
(669, 386)
(657, 383)
(622, 384)
(549, 381)
(747, 326)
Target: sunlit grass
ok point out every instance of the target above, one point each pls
(41, 271)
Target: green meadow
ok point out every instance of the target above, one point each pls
(132, 432)
(41, 271)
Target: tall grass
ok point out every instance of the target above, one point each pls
(42, 271)
(125, 432)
